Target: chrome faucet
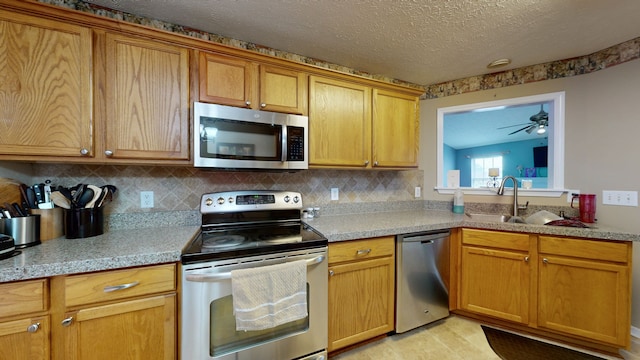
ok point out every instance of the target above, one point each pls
(516, 207)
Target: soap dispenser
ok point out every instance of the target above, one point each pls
(458, 202)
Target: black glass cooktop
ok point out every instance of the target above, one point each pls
(241, 241)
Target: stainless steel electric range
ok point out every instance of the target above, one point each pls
(249, 229)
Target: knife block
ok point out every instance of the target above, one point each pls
(51, 221)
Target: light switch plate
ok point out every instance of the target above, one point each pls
(335, 194)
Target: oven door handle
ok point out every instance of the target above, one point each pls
(227, 275)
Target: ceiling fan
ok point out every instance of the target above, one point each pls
(539, 122)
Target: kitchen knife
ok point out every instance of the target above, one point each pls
(38, 193)
(18, 210)
(31, 198)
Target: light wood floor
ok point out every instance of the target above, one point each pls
(454, 338)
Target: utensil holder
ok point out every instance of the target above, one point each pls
(24, 230)
(83, 223)
(51, 221)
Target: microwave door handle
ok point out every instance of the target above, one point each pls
(284, 143)
(227, 275)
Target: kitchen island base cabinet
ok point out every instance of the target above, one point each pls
(361, 290)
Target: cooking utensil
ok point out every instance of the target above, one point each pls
(97, 194)
(18, 210)
(85, 197)
(31, 198)
(60, 200)
(39, 193)
(77, 194)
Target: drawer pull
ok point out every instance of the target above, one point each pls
(526, 258)
(67, 321)
(331, 273)
(363, 251)
(545, 260)
(120, 287)
(33, 327)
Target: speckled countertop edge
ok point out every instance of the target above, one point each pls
(356, 226)
(121, 248)
(113, 250)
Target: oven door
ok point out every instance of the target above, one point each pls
(208, 324)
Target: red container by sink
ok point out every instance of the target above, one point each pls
(587, 207)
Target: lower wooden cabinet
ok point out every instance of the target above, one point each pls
(361, 290)
(572, 287)
(24, 320)
(584, 288)
(120, 314)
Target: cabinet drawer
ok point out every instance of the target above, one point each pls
(588, 249)
(119, 284)
(361, 249)
(23, 297)
(496, 239)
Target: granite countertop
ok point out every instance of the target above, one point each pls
(113, 250)
(121, 248)
(357, 226)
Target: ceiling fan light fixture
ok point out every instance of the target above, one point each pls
(498, 63)
(541, 129)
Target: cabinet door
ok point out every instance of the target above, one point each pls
(45, 87)
(227, 80)
(361, 301)
(395, 129)
(586, 298)
(147, 100)
(495, 283)
(283, 90)
(339, 123)
(130, 330)
(25, 339)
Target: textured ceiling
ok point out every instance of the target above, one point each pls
(419, 41)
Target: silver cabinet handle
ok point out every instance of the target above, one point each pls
(331, 273)
(366, 162)
(375, 163)
(545, 260)
(526, 258)
(120, 287)
(33, 327)
(67, 321)
(84, 151)
(363, 251)
(108, 152)
(263, 105)
(248, 103)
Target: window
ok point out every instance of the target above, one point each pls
(480, 170)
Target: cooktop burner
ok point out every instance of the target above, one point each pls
(248, 223)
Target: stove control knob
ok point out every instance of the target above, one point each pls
(296, 199)
(287, 198)
(220, 200)
(230, 200)
(208, 201)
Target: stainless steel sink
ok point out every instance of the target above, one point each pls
(496, 218)
(489, 217)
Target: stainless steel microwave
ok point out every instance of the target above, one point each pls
(234, 138)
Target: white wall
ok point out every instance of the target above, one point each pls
(602, 143)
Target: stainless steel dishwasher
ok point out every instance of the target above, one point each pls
(422, 278)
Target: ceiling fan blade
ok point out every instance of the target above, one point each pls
(505, 127)
(528, 126)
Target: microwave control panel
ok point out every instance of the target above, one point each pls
(295, 143)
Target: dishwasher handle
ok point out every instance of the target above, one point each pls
(426, 237)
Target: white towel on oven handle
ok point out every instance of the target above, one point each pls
(267, 296)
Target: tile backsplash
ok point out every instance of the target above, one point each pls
(180, 188)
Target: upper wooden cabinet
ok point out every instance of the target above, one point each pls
(146, 100)
(354, 125)
(395, 129)
(45, 87)
(339, 123)
(238, 82)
